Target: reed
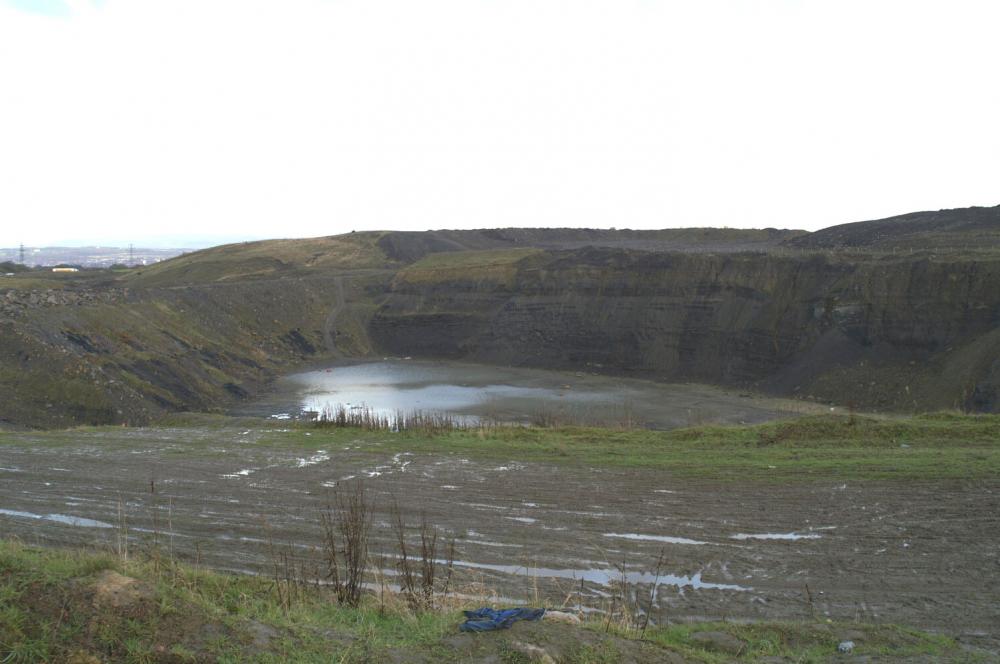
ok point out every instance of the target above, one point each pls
(619, 416)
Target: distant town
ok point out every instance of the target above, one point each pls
(87, 257)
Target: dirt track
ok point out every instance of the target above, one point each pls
(922, 554)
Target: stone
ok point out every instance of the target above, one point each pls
(81, 657)
(562, 616)
(403, 656)
(262, 634)
(115, 591)
(846, 647)
(532, 652)
(718, 642)
(462, 641)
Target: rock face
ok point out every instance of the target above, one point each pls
(891, 333)
(17, 302)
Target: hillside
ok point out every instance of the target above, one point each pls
(411, 246)
(780, 311)
(962, 229)
(8, 267)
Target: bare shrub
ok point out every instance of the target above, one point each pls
(346, 527)
(417, 578)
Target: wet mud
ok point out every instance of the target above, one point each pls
(922, 554)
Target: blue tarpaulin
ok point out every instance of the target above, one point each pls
(487, 619)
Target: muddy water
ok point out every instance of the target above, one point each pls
(473, 391)
(924, 554)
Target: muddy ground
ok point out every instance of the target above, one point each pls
(921, 554)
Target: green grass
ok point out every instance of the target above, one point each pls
(941, 446)
(38, 585)
(491, 265)
(809, 642)
(263, 259)
(48, 614)
(473, 258)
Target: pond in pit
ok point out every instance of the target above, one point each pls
(472, 392)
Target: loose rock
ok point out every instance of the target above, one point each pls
(561, 616)
(261, 633)
(115, 591)
(533, 652)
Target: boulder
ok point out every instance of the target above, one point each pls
(115, 591)
(261, 633)
(81, 657)
(532, 652)
(561, 616)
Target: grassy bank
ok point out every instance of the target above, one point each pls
(926, 447)
(66, 606)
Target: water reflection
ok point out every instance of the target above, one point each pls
(472, 392)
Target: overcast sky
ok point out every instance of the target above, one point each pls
(129, 120)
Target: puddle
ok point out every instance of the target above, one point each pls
(159, 533)
(396, 463)
(522, 519)
(330, 484)
(510, 466)
(774, 536)
(238, 474)
(504, 545)
(602, 577)
(655, 538)
(469, 393)
(319, 457)
(485, 506)
(59, 518)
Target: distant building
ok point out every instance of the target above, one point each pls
(65, 269)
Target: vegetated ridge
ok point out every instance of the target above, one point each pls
(83, 608)
(900, 314)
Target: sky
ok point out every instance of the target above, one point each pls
(165, 121)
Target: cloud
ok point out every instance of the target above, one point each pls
(62, 8)
(309, 117)
(44, 7)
